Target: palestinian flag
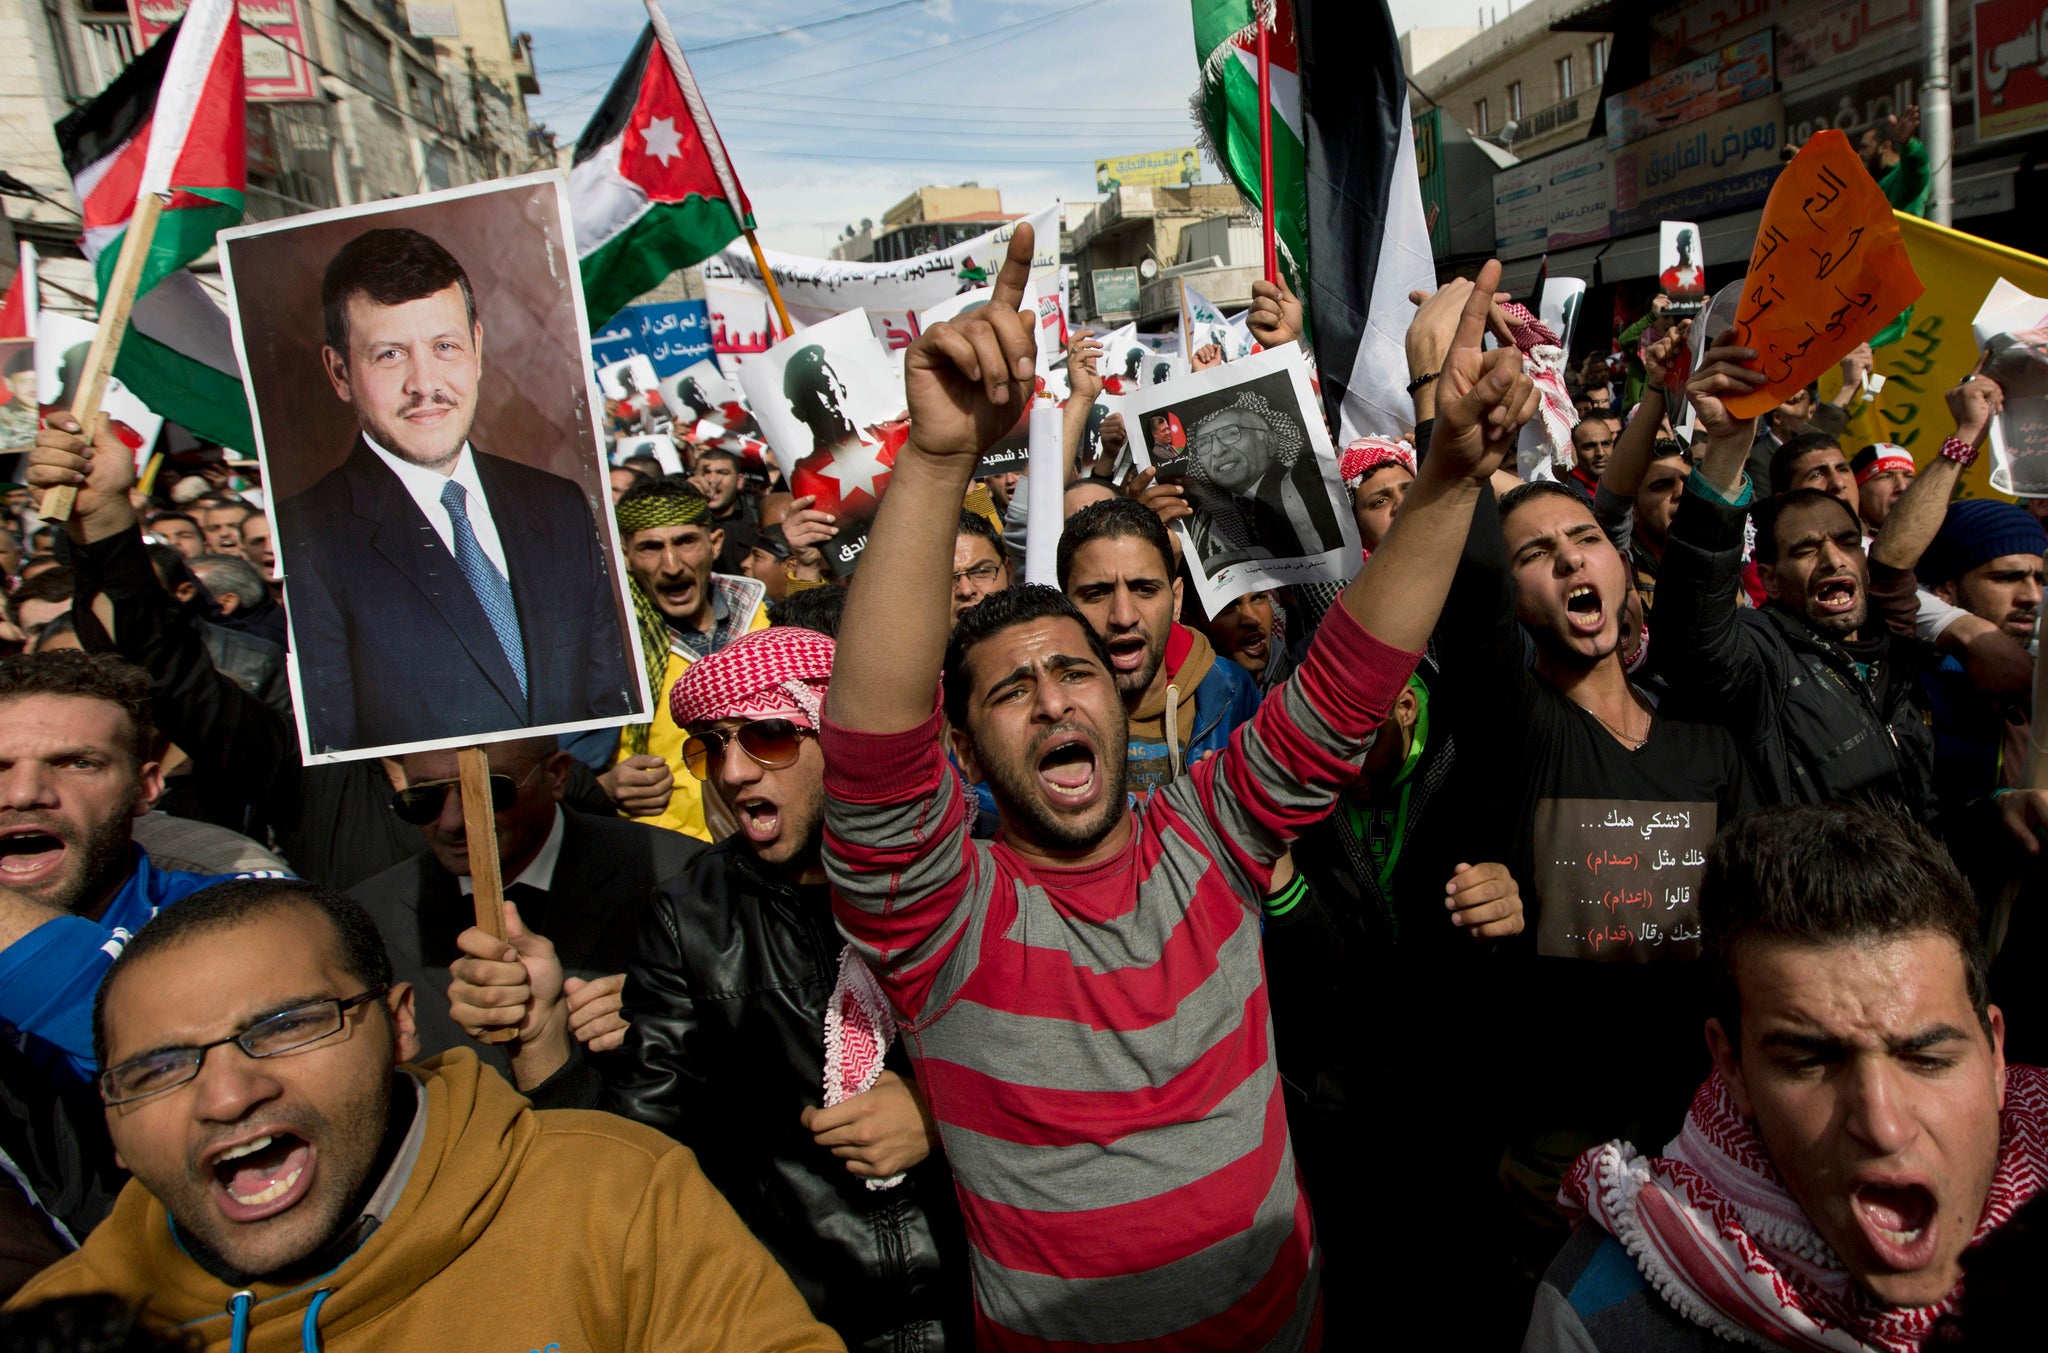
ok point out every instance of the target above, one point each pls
(1227, 106)
(18, 306)
(171, 123)
(650, 188)
(1368, 241)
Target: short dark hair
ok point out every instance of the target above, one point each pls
(1669, 448)
(974, 524)
(814, 608)
(1789, 451)
(1112, 519)
(1829, 874)
(1521, 495)
(1000, 611)
(92, 676)
(171, 568)
(174, 515)
(226, 905)
(721, 453)
(56, 584)
(1769, 513)
(391, 266)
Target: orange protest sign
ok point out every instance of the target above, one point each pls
(1828, 271)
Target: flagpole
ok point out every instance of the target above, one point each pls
(1266, 152)
(106, 338)
(768, 280)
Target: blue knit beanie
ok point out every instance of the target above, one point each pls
(1977, 531)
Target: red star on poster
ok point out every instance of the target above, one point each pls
(852, 477)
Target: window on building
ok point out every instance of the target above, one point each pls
(368, 58)
(1515, 101)
(1482, 120)
(1565, 88)
(1598, 52)
(429, 100)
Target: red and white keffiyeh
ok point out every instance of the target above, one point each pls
(858, 1030)
(1711, 1226)
(776, 673)
(1543, 362)
(1366, 454)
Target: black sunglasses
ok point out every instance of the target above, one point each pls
(421, 803)
(772, 742)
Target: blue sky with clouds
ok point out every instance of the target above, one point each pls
(835, 121)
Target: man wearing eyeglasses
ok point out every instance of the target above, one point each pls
(979, 564)
(580, 879)
(298, 1185)
(728, 995)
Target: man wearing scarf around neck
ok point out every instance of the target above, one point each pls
(1861, 1131)
(685, 612)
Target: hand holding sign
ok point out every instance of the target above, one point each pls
(1829, 270)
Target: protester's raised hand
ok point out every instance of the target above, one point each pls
(880, 1132)
(1657, 354)
(1084, 366)
(1275, 316)
(806, 526)
(1906, 126)
(1483, 398)
(1484, 899)
(2025, 812)
(1169, 502)
(513, 983)
(1858, 363)
(1975, 401)
(102, 469)
(596, 1011)
(1111, 437)
(640, 785)
(1435, 324)
(967, 380)
(1722, 375)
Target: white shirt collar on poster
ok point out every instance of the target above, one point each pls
(426, 485)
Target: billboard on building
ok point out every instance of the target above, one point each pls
(273, 44)
(1429, 168)
(1692, 30)
(1734, 74)
(1116, 290)
(2012, 90)
(1554, 201)
(1151, 169)
(1718, 164)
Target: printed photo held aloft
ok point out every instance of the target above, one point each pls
(1247, 441)
(431, 436)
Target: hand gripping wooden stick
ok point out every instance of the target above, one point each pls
(480, 831)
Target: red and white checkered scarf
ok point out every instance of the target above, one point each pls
(1711, 1226)
(781, 673)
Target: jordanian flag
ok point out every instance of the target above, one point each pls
(171, 123)
(651, 189)
(1227, 45)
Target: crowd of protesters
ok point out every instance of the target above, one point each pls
(951, 962)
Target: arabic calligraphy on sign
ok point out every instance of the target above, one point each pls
(1828, 271)
(1618, 880)
(2012, 67)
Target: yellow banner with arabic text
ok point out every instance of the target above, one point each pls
(1937, 349)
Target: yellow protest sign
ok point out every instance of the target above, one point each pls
(1938, 348)
(1828, 271)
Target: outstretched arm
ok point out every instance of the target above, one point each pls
(1911, 525)
(965, 380)
(1624, 472)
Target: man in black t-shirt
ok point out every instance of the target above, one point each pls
(1612, 806)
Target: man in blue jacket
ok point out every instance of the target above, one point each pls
(77, 767)
(1116, 564)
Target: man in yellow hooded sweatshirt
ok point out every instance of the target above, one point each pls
(297, 1188)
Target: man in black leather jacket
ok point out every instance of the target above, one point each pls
(725, 1041)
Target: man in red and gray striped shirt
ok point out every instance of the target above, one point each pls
(1084, 997)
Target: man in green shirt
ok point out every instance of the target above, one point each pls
(1897, 159)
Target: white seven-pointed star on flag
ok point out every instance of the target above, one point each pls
(856, 466)
(664, 142)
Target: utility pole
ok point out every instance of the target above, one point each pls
(1937, 116)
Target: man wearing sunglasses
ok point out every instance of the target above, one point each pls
(298, 1185)
(728, 995)
(1091, 1023)
(578, 878)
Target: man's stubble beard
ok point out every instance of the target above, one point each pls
(1018, 806)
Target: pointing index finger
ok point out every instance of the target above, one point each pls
(1478, 303)
(1016, 273)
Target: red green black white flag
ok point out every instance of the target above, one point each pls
(650, 188)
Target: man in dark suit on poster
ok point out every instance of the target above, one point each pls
(437, 591)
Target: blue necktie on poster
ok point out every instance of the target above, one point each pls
(492, 591)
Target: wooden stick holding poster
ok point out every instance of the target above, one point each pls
(1828, 271)
(480, 832)
(106, 338)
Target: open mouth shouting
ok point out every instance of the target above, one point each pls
(1069, 772)
(1836, 596)
(261, 1176)
(1584, 611)
(1900, 1222)
(30, 856)
(678, 597)
(1127, 653)
(760, 818)
(1255, 649)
